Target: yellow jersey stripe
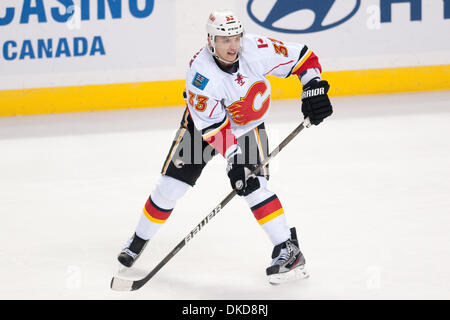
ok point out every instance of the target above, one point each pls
(180, 135)
(301, 62)
(213, 133)
(261, 150)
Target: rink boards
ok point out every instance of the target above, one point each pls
(169, 93)
(77, 55)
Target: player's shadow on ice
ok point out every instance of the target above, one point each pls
(200, 287)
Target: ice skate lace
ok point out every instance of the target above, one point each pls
(130, 253)
(285, 254)
(283, 257)
(127, 249)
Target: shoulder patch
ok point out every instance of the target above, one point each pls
(200, 81)
(261, 43)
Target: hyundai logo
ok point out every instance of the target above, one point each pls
(282, 8)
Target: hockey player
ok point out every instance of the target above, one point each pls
(228, 98)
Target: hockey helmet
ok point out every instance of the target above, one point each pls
(222, 23)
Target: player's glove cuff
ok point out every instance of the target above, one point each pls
(315, 102)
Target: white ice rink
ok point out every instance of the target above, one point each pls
(368, 190)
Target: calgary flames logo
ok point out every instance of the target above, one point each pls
(243, 111)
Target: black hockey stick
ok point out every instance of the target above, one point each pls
(131, 285)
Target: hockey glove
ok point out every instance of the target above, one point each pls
(315, 102)
(241, 179)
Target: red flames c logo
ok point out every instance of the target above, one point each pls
(243, 110)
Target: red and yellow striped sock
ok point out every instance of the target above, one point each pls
(154, 213)
(267, 210)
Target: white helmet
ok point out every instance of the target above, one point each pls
(222, 23)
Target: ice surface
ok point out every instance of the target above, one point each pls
(368, 190)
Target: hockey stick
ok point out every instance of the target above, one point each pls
(119, 284)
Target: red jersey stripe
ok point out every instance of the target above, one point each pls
(311, 62)
(281, 64)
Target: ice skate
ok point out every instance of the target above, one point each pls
(131, 251)
(288, 262)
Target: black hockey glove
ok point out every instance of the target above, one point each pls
(315, 102)
(240, 178)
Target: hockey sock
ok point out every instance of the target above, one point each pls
(159, 206)
(269, 213)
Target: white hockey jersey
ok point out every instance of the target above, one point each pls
(240, 101)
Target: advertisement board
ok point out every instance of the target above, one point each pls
(78, 38)
(139, 50)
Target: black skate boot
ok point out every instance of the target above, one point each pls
(132, 251)
(288, 262)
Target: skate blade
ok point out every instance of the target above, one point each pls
(294, 274)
